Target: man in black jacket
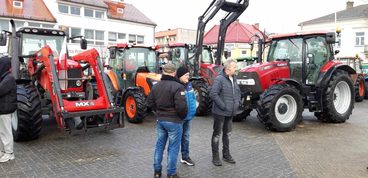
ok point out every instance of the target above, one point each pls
(8, 105)
(167, 100)
(225, 94)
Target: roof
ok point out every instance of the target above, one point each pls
(297, 34)
(236, 33)
(131, 14)
(357, 12)
(32, 10)
(96, 3)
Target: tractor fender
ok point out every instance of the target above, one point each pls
(292, 82)
(114, 79)
(324, 78)
(197, 78)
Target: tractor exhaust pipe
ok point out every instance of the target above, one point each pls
(15, 51)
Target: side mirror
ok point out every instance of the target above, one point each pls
(337, 52)
(331, 38)
(83, 43)
(2, 39)
(112, 53)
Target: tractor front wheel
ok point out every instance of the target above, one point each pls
(134, 105)
(360, 89)
(338, 99)
(27, 125)
(204, 102)
(280, 108)
(366, 89)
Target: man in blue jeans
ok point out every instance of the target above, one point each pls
(183, 75)
(167, 101)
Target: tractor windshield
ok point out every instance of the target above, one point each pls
(135, 57)
(31, 43)
(207, 56)
(286, 49)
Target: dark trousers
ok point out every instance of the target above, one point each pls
(221, 124)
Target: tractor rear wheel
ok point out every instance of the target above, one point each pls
(204, 102)
(27, 126)
(338, 99)
(280, 108)
(360, 89)
(242, 116)
(135, 106)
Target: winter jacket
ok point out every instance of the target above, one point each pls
(191, 101)
(167, 100)
(225, 101)
(8, 88)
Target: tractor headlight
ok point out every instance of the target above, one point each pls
(246, 82)
(78, 83)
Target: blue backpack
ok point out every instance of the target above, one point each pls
(191, 101)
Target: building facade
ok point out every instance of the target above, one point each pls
(353, 23)
(179, 35)
(101, 22)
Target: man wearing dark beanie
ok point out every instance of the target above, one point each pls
(182, 73)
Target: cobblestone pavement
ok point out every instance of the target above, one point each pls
(314, 149)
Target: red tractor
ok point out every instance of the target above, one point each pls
(198, 58)
(71, 89)
(136, 69)
(360, 86)
(300, 72)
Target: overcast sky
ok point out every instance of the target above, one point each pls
(273, 15)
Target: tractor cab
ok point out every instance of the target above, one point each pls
(184, 54)
(136, 67)
(304, 54)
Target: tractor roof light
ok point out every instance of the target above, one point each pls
(27, 30)
(34, 30)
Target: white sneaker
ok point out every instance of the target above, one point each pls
(7, 157)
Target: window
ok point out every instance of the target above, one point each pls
(34, 24)
(4, 25)
(63, 9)
(88, 12)
(75, 32)
(99, 36)
(121, 36)
(244, 52)
(74, 10)
(48, 25)
(112, 36)
(140, 39)
(120, 10)
(359, 38)
(17, 4)
(99, 14)
(94, 36)
(89, 36)
(132, 38)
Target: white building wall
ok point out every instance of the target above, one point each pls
(107, 25)
(348, 35)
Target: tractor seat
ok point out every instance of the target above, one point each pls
(143, 69)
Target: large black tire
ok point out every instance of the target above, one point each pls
(340, 89)
(204, 102)
(280, 108)
(29, 122)
(242, 116)
(360, 89)
(135, 106)
(366, 89)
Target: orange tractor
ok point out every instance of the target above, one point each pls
(136, 69)
(71, 88)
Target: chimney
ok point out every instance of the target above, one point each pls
(349, 4)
